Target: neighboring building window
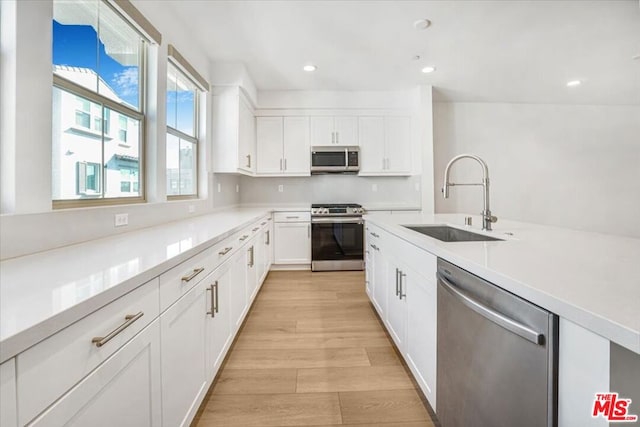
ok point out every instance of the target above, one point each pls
(182, 134)
(97, 70)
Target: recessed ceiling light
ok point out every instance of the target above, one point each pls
(422, 24)
(309, 68)
(574, 83)
(428, 69)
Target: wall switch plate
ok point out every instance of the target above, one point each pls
(237, 188)
(374, 187)
(280, 188)
(192, 208)
(121, 220)
(219, 187)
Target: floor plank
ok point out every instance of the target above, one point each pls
(382, 356)
(353, 379)
(303, 409)
(256, 381)
(370, 407)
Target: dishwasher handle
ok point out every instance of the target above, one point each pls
(497, 318)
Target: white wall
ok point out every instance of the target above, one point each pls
(575, 166)
(28, 222)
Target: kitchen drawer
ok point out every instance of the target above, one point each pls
(181, 278)
(292, 216)
(421, 261)
(50, 368)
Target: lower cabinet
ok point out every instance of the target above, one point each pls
(292, 243)
(238, 300)
(251, 275)
(123, 391)
(218, 321)
(406, 302)
(183, 356)
(8, 394)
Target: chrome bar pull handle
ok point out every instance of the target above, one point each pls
(281, 164)
(285, 164)
(248, 160)
(193, 274)
(216, 293)
(225, 251)
(243, 238)
(263, 223)
(212, 313)
(268, 236)
(256, 229)
(129, 320)
(397, 280)
(400, 277)
(374, 234)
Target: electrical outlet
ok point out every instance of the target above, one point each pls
(374, 187)
(192, 208)
(280, 188)
(120, 220)
(219, 187)
(237, 188)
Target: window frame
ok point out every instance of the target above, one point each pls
(78, 90)
(195, 140)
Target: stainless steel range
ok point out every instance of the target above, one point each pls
(337, 237)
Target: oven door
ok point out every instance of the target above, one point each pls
(337, 244)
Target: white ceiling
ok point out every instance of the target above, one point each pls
(490, 51)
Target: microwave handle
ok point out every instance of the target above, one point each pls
(346, 157)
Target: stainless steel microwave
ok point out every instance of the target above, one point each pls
(335, 159)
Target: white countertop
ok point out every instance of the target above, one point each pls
(45, 292)
(591, 279)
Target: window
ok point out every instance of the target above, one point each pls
(98, 59)
(182, 135)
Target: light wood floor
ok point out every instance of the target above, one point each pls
(312, 352)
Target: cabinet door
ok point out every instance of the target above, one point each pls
(8, 394)
(292, 243)
(398, 145)
(372, 144)
(238, 290)
(184, 382)
(421, 331)
(322, 131)
(218, 324)
(346, 129)
(259, 257)
(123, 391)
(380, 280)
(269, 133)
(396, 315)
(297, 152)
(246, 139)
(250, 267)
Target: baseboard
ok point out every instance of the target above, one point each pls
(290, 267)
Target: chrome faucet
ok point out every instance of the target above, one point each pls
(487, 218)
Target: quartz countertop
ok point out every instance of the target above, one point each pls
(591, 279)
(43, 293)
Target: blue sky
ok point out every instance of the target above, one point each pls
(79, 46)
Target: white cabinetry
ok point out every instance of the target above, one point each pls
(218, 325)
(402, 287)
(234, 132)
(283, 146)
(183, 357)
(8, 396)
(385, 145)
(239, 301)
(123, 391)
(292, 238)
(339, 130)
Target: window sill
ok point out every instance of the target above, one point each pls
(88, 132)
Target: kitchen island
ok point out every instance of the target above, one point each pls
(589, 280)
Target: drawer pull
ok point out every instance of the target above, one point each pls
(129, 319)
(225, 251)
(193, 274)
(256, 229)
(243, 238)
(292, 217)
(263, 223)
(374, 234)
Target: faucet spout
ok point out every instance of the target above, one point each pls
(487, 218)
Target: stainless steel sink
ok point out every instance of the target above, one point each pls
(449, 234)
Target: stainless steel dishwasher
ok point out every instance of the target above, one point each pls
(497, 355)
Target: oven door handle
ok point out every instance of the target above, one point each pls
(337, 221)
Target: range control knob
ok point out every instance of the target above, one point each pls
(325, 211)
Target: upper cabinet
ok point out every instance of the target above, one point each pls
(339, 130)
(385, 145)
(234, 132)
(283, 146)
